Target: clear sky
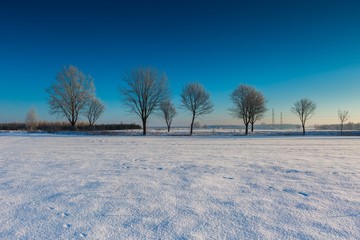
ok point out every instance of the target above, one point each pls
(286, 49)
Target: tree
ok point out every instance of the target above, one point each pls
(196, 99)
(31, 119)
(168, 112)
(144, 91)
(94, 110)
(248, 105)
(343, 116)
(304, 109)
(70, 93)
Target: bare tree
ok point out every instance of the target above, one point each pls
(31, 119)
(168, 112)
(304, 109)
(144, 91)
(257, 107)
(243, 98)
(70, 93)
(343, 117)
(196, 99)
(94, 110)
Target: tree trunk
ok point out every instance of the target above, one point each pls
(73, 123)
(73, 118)
(144, 126)
(303, 127)
(73, 126)
(246, 129)
(252, 127)
(192, 124)
(168, 127)
(341, 128)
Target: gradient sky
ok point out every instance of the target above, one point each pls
(286, 49)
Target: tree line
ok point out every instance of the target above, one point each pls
(52, 127)
(145, 92)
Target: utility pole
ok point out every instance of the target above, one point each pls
(281, 120)
(273, 118)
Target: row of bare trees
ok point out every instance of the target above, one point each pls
(145, 91)
(304, 109)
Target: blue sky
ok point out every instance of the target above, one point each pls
(286, 49)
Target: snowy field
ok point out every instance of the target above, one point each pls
(134, 187)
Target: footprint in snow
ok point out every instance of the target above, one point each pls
(303, 206)
(293, 191)
(140, 160)
(229, 178)
(67, 226)
(292, 171)
(160, 168)
(64, 214)
(303, 194)
(83, 234)
(289, 190)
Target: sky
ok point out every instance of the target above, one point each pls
(286, 49)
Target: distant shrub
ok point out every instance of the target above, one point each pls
(348, 126)
(31, 119)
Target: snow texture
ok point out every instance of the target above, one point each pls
(132, 187)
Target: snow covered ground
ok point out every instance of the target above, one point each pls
(134, 187)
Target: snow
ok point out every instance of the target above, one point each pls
(179, 187)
